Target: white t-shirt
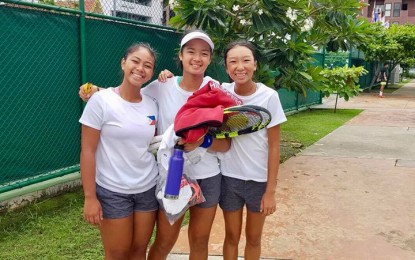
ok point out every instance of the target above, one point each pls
(248, 157)
(170, 97)
(123, 162)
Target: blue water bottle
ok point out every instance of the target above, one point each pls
(174, 173)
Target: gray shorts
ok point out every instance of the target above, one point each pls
(211, 190)
(119, 205)
(236, 193)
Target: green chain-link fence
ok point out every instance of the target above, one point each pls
(48, 48)
(358, 59)
(42, 68)
(40, 72)
(336, 59)
(353, 58)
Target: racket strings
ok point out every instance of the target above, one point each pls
(235, 121)
(241, 120)
(266, 118)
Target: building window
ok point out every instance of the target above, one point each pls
(404, 7)
(396, 9)
(388, 8)
(131, 16)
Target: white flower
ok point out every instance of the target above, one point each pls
(172, 3)
(308, 24)
(291, 14)
(260, 12)
(243, 22)
(235, 8)
(288, 37)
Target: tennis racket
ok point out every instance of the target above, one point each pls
(266, 116)
(240, 120)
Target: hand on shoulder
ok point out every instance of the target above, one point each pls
(87, 90)
(164, 75)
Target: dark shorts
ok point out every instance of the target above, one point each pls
(236, 193)
(211, 190)
(119, 205)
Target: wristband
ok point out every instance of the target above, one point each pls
(207, 141)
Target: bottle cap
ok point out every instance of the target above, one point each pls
(179, 146)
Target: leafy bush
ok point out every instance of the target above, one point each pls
(342, 81)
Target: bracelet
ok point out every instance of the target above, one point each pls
(207, 141)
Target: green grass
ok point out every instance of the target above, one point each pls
(54, 229)
(305, 128)
(50, 229)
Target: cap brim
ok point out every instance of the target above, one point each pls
(197, 35)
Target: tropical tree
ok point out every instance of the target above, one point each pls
(395, 45)
(287, 33)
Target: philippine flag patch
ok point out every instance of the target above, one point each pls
(152, 120)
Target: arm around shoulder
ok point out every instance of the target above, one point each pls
(86, 92)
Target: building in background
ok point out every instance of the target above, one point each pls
(391, 11)
(149, 11)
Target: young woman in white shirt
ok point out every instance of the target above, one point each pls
(117, 170)
(195, 55)
(250, 167)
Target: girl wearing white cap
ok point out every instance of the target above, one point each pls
(195, 55)
(250, 167)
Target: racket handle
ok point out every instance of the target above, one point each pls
(174, 173)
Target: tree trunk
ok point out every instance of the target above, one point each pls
(335, 105)
(376, 74)
(391, 67)
(375, 77)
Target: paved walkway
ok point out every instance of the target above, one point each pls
(351, 195)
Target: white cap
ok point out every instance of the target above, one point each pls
(197, 35)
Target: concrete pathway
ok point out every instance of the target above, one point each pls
(351, 195)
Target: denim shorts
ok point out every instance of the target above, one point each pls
(211, 190)
(118, 205)
(236, 193)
